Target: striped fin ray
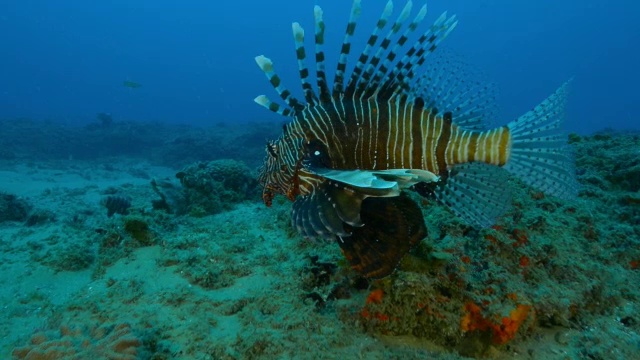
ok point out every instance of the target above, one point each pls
(369, 84)
(539, 154)
(267, 67)
(364, 56)
(323, 88)
(399, 44)
(477, 192)
(264, 101)
(338, 82)
(400, 78)
(451, 85)
(298, 36)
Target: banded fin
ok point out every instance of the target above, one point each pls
(392, 226)
(476, 192)
(381, 75)
(364, 56)
(400, 79)
(540, 155)
(338, 81)
(323, 88)
(301, 55)
(266, 66)
(326, 209)
(263, 100)
(314, 217)
(370, 85)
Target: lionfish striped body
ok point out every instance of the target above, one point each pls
(349, 153)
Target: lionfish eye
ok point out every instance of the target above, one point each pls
(271, 149)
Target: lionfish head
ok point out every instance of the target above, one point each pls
(275, 176)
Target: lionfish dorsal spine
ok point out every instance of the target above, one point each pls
(399, 79)
(363, 59)
(383, 79)
(372, 67)
(267, 67)
(379, 73)
(301, 55)
(264, 101)
(323, 89)
(338, 82)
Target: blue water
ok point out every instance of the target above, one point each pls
(67, 60)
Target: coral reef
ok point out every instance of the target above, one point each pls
(13, 208)
(215, 186)
(116, 342)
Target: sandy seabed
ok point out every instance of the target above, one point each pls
(241, 284)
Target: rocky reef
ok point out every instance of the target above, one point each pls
(214, 186)
(548, 268)
(196, 267)
(13, 208)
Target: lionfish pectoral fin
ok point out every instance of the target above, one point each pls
(392, 226)
(378, 183)
(477, 192)
(324, 212)
(366, 182)
(407, 177)
(314, 217)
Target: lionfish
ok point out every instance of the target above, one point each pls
(401, 121)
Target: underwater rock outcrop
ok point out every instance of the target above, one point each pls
(214, 186)
(13, 208)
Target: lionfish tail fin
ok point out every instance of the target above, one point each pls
(540, 155)
(478, 193)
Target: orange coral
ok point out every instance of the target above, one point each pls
(502, 332)
(375, 296)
